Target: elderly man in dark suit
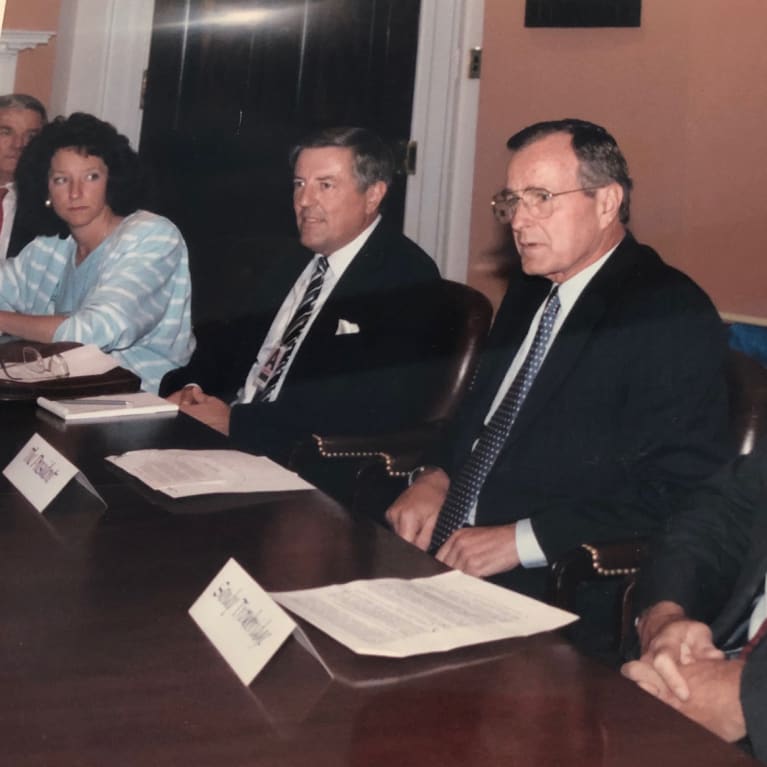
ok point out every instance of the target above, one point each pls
(344, 351)
(601, 394)
(21, 118)
(703, 589)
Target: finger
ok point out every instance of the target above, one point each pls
(705, 649)
(633, 670)
(192, 395)
(392, 516)
(641, 673)
(405, 525)
(648, 679)
(423, 538)
(449, 552)
(670, 674)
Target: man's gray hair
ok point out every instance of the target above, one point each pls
(600, 161)
(23, 101)
(372, 159)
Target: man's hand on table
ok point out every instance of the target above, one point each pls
(211, 411)
(681, 666)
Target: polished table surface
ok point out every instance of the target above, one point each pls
(101, 664)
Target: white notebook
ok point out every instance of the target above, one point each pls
(107, 406)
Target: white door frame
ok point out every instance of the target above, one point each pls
(445, 105)
(102, 53)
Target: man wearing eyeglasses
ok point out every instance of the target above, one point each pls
(601, 395)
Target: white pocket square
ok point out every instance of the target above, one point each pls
(346, 328)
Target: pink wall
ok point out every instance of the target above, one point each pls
(684, 95)
(34, 70)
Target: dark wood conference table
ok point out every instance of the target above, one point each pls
(101, 665)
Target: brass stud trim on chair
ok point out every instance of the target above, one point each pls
(606, 571)
(387, 459)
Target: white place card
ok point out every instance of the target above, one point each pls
(39, 472)
(241, 620)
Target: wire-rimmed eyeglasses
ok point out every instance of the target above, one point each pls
(35, 367)
(539, 202)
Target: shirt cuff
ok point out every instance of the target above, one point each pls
(528, 549)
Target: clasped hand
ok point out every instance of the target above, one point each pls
(681, 666)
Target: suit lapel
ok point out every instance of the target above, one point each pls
(576, 332)
(747, 586)
(358, 279)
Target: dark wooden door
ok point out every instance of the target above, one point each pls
(232, 84)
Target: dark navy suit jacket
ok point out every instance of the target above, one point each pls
(628, 408)
(357, 383)
(712, 561)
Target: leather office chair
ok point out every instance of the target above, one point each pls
(356, 469)
(620, 560)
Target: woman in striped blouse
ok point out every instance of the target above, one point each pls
(102, 271)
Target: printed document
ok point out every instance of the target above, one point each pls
(397, 618)
(183, 473)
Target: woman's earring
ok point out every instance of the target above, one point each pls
(48, 203)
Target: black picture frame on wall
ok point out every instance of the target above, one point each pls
(583, 13)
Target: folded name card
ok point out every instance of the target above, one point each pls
(241, 620)
(40, 472)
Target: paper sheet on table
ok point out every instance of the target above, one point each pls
(87, 360)
(397, 618)
(182, 473)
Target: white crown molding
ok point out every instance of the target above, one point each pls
(15, 40)
(12, 42)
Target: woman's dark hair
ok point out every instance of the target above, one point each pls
(87, 135)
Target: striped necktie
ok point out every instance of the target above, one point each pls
(296, 325)
(465, 490)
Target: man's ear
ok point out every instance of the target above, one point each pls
(609, 199)
(374, 195)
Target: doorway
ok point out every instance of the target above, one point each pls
(103, 49)
(231, 86)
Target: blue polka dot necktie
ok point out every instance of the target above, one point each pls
(296, 325)
(465, 488)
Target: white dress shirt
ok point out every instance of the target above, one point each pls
(759, 615)
(9, 213)
(338, 262)
(528, 548)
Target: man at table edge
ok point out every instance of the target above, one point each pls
(629, 405)
(700, 603)
(355, 364)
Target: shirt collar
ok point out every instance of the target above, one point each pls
(570, 290)
(339, 260)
